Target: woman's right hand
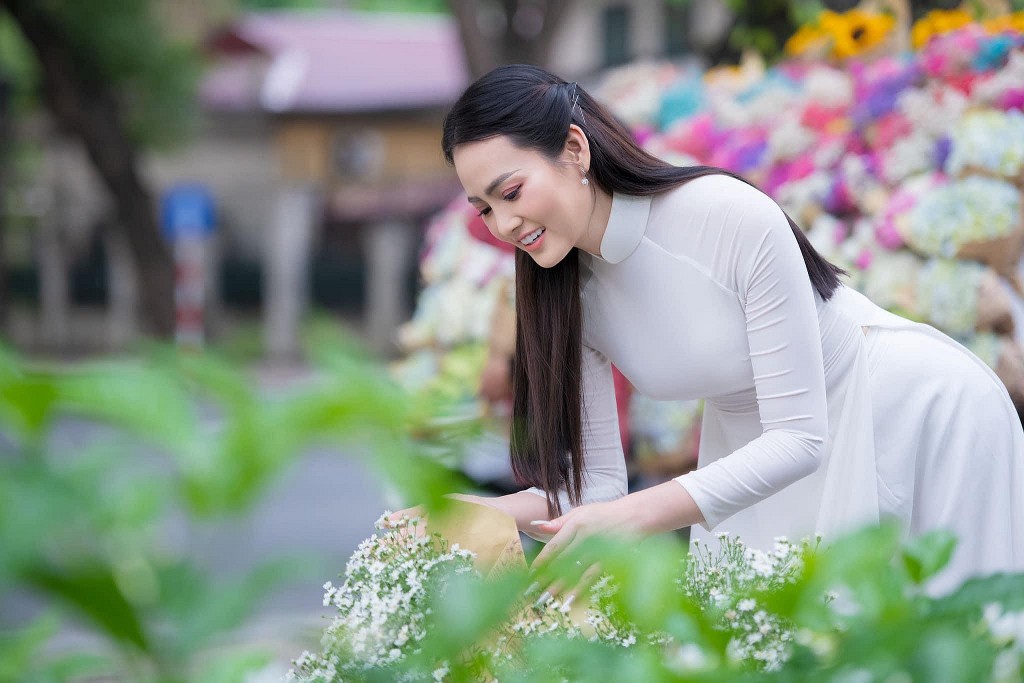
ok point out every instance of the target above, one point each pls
(420, 512)
(414, 512)
(410, 512)
(524, 507)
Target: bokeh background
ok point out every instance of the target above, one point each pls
(242, 298)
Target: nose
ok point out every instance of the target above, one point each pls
(506, 223)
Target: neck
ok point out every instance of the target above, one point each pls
(601, 209)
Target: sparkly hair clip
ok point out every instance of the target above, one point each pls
(575, 97)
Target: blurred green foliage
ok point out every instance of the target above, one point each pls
(889, 628)
(119, 44)
(17, 64)
(413, 6)
(83, 524)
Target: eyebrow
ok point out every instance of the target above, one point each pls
(494, 185)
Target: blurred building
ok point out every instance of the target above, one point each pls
(353, 104)
(324, 155)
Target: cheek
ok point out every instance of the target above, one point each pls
(549, 206)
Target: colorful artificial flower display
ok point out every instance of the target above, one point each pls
(904, 168)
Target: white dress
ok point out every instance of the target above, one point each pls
(820, 416)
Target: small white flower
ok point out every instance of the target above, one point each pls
(690, 657)
(1005, 627)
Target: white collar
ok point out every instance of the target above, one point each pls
(627, 223)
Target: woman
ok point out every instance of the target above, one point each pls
(823, 412)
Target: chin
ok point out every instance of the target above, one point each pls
(548, 259)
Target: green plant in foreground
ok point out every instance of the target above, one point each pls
(856, 609)
(83, 519)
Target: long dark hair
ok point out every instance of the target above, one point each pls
(533, 108)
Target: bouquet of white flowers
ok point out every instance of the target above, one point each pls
(384, 614)
(383, 605)
(389, 623)
(722, 583)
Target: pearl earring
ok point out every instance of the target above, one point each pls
(584, 180)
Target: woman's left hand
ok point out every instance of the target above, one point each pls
(654, 510)
(569, 530)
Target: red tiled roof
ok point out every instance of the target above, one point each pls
(334, 61)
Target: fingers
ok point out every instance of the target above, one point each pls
(556, 590)
(592, 574)
(414, 511)
(399, 521)
(549, 593)
(543, 530)
(548, 526)
(562, 538)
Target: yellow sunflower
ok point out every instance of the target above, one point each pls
(808, 38)
(936, 23)
(855, 32)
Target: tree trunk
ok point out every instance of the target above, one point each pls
(480, 57)
(5, 178)
(524, 34)
(89, 110)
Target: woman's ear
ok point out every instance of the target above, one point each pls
(577, 147)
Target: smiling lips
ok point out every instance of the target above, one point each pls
(533, 239)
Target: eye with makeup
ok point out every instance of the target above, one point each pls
(511, 196)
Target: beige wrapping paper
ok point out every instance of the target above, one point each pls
(494, 537)
(488, 532)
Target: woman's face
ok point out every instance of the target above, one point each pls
(526, 199)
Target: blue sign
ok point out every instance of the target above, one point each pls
(187, 210)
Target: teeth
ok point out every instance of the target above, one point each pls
(533, 236)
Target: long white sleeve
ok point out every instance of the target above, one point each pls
(767, 273)
(604, 475)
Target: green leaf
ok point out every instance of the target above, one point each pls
(19, 649)
(951, 656)
(647, 576)
(202, 609)
(78, 666)
(34, 504)
(925, 556)
(234, 667)
(1004, 589)
(144, 400)
(417, 478)
(862, 561)
(231, 388)
(94, 593)
(27, 402)
(471, 608)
